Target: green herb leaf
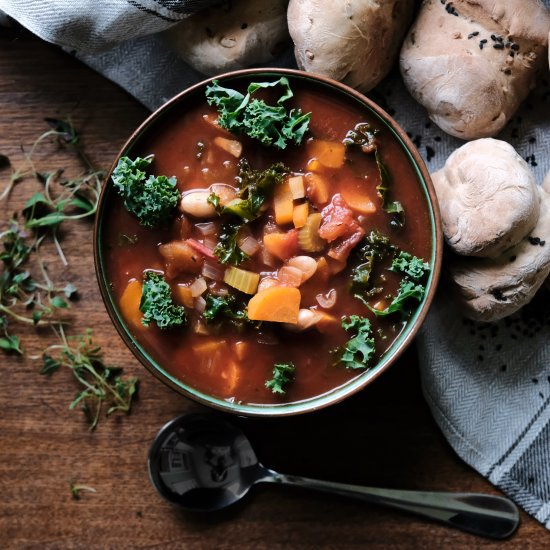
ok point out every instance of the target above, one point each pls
(157, 304)
(11, 344)
(401, 302)
(152, 200)
(391, 207)
(49, 364)
(227, 250)
(413, 267)
(283, 374)
(58, 302)
(359, 349)
(224, 307)
(270, 124)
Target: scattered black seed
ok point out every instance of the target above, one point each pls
(549, 379)
(480, 357)
(532, 139)
(417, 140)
(4, 161)
(437, 138)
(498, 46)
(507, 71)
(535, 380)
(481, 347)
(244, 26)
(536, 241)
(209, 32)
(513, 337)
(482, 43)
(515, 47)
(391, 111)
(503, 368)
(541, 395)
(430, 153)
(472, 34)
(498, 347)
(409, 135)
(450, 9)
(428, 125)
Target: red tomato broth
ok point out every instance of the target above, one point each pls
(173, 142)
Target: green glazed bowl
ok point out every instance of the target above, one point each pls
(189, 97)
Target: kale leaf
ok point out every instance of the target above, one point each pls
(374, 248)
(410, 265)
(283, 373)
(152, 200)
(270, 124)
(220, 307)
(255, 187)
(401, 302)
(157, 304)
(359, 349)
(227, 250)
(395, 208)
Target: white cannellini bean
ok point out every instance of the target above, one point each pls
(306, 264)
(195, 204)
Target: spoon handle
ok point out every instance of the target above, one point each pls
(487, 515)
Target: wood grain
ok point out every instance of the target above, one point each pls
(383, 436)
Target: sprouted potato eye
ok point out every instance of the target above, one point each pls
(328, 274)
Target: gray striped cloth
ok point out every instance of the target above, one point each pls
(488, 385)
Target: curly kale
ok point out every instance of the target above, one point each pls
(270, 124)
(358, 350)
(283, 374)
(157, 304)
(224, 307)
(151, 199)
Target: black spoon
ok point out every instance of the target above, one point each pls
(204, 463)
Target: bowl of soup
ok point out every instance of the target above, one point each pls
(268, 242)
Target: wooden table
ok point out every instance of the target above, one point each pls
(383, 436)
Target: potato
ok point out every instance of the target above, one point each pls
(471, 63)
(355, 42)
(232, 36)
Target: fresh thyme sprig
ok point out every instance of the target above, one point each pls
(100, 384)
(77, 488)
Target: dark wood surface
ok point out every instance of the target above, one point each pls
(383, 436)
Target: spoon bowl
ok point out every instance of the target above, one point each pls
(204, 463)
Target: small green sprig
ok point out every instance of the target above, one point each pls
(100, 384)
(283, 374)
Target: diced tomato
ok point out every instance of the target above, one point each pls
(340, 227)
(338, 220)
(342, 247)
(201, 248)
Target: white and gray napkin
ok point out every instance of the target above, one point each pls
(488, 385)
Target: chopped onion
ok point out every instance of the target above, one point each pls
(201, 328)
(290, 276)
(249, 245)
(213, 271)
(268, 259)
(306, 264)
(210, 242)
(267, 282)
(198, 287)
(326, 301)
(200, 304)
(307, 318)
(208, 228)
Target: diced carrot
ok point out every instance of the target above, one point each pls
(282, 203)
(359, 202)
(381, 305)
(231, 146)
(328, 153)
(317, 189)
(184, 295)
(241, 349)
(129, 304)
(314, 165)
(300, 214)
(278, 304)
(282, 245)
(297, 188)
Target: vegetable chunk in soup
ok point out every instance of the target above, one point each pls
(270, 247)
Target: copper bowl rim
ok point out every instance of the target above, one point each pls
(338, 394)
